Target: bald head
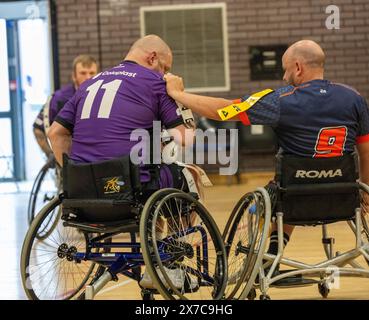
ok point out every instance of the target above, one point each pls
(308, 51)
(303, 61)
(150, 43)
(152, 52)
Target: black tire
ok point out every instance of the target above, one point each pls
(63, 278)
(186, 255)
(41, 193)
(242, 236)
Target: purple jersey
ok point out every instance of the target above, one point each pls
(57, 102)
(107, 108)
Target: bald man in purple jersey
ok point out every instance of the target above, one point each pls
(97, 123)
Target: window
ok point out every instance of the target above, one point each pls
(197, 34)
(266, 62)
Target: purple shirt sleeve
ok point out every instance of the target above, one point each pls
(167, 107)
(66, 116)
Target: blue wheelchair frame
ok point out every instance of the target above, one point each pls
(122, 262)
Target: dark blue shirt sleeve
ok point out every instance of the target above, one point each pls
(267, 110)
(363, 132)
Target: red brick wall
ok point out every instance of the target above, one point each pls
(250, 22)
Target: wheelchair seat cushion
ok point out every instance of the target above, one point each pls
(317, 190)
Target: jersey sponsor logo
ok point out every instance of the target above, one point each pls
(119, 73)
(315, 174)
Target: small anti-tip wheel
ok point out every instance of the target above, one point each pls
(252, 294)
(147, 295)
(323, 290)
(264, 297)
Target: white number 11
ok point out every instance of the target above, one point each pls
(110, 88)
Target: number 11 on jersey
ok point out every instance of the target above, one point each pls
(106, 104)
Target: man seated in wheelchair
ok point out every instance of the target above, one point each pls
(311, 117)
(96, 130)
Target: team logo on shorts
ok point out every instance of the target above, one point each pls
(113, 185)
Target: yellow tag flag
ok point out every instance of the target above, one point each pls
(234, 109)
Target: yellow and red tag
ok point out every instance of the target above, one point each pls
(234, 109)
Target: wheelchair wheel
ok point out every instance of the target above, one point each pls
(242, 240)
(49, 269)
(45, 187)
(365, 218)
(182, 247)
(245, 236)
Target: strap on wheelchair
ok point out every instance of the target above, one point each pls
(321, 188)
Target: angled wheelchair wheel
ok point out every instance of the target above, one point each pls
(182, 247)
(245, 237)
(50, 269)
(45, 187)
(365, 216)
(365, 219)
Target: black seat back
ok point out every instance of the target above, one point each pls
(101, 191)
(317, 190)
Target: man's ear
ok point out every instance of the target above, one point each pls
(299, 68)
(151, 58)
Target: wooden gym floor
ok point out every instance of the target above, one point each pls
(305, 245)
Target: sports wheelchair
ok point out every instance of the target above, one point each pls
(307, 192)
(102, 205)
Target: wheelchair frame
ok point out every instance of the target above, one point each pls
(115, 263)
(325, 269)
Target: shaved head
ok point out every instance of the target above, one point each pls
(307, 51)
(151, 52)
(303, 61)
(151, 43)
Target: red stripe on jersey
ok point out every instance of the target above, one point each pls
(294, 90)
(244, 118)
(362, 139)
(347, 87)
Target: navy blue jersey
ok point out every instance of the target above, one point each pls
(317, 119)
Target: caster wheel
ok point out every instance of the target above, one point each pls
(323, 290)
(147, 295)
(264, 297)
(252, 294)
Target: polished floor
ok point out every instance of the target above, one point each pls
(305, 245)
